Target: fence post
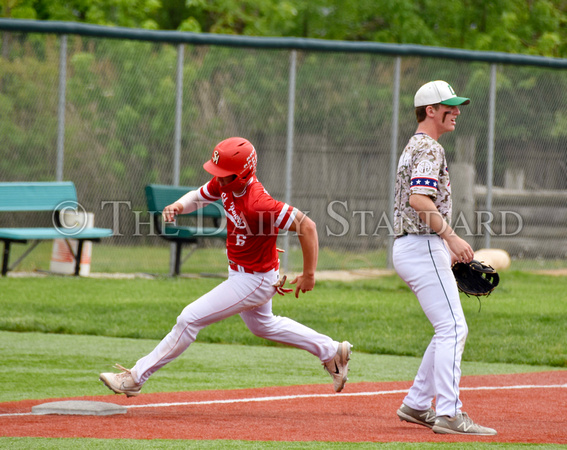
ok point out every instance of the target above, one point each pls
(178, 114)
(393, 153)
(61, 108)
(289, 148)
(490, 156)
(177, 138)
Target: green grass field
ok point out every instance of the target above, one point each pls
(212, 259)
(58, 333)
(519, 323)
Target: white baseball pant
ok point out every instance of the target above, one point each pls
(424, 263)
(242, 293)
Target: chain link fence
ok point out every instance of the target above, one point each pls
(113, 110)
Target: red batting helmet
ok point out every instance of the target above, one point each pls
(233, 156)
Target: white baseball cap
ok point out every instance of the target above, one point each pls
(438, 92)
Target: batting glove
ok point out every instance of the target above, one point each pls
(279, 286)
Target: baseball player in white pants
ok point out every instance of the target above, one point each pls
(424, 251)
(253, 221)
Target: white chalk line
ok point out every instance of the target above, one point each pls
(352, 394)
(338, 396)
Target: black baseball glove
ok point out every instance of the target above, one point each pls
(475, 278)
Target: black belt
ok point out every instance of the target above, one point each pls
(417, 234)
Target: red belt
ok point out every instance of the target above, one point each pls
(239, 268)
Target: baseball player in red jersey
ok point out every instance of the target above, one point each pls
(253, 221)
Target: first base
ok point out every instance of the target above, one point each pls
(79, 408)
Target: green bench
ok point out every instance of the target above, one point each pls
(43, 196)
(158, 196)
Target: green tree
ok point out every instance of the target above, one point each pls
(536, 27)
(134, 13)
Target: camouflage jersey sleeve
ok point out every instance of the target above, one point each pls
(422, 170)
(427, 165)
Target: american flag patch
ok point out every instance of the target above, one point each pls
(424, 182)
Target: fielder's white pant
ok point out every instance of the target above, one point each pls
(424, 263)
(242, 293)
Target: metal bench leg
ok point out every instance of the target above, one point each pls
(5, 258)
(78, 257)
(177, 268)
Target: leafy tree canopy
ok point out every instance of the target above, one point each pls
(537, 27)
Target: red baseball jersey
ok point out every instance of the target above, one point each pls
(253, 221)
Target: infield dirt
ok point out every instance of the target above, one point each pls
(526, 408)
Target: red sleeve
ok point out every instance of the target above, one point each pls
(210, 191)
(275, 212)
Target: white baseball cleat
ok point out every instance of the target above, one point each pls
(121, 383)
(460, 424)
(338, 366)
(420, 417)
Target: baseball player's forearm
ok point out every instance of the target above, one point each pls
(192, 201)
(307, 233)
(309, 241)
(429, 214)
(459, 248)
